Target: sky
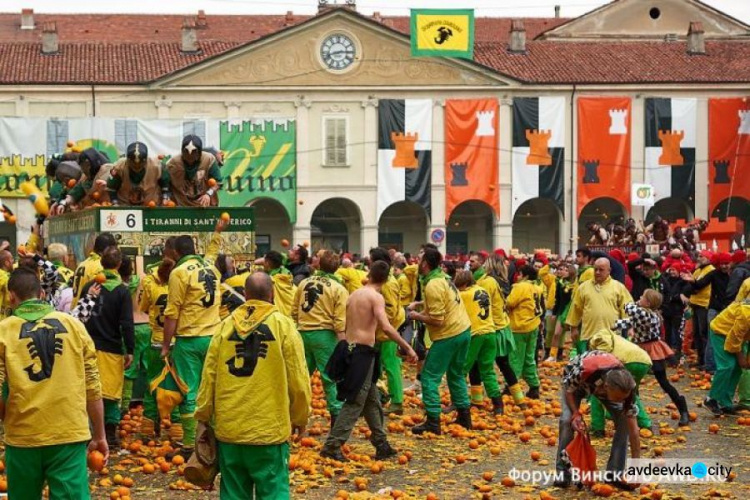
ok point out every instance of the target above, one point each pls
(483, 8)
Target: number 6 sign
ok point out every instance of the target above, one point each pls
(121, 220)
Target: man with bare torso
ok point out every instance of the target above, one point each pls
(354, 366)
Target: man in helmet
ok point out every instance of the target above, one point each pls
(138, 179)
(96, 166)
(194, 175)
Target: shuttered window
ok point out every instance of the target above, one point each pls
(335, 151)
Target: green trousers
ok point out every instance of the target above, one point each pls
(319, 345)
(523, 359)
(137, 369)
(551, 323)
(638, 371)
(112, 413)
(483, 351)
(153, 364)
(249, 472)
(188, 355)
(728, 372)
(446, 357)
(743, 390)
(391, 364)
(62, 467)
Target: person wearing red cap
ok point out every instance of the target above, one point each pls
(716, 281)
(699, 304)
(740, 273)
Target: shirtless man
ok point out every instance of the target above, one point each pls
(354, 367)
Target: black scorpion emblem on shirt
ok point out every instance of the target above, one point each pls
(44, 344)
(312, 291)
(248, 350)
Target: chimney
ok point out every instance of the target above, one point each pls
(517, 37)
(696, 43)
(50, 41)
(377, 17)
(201, 22)
(27, 19)
(189, 37)
(557, 11)
(289, 19)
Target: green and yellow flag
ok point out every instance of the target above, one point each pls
(442, 33)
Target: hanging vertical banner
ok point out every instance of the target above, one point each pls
(442, 32)
(603, 169)
(728, 150)
(471, 154)
(260, 161)
(670, 148)
(260, 155)
(404, 152)
(538, 157)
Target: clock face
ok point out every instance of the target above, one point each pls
(338, 52)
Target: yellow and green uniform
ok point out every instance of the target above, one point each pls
(525, 311)
(319, 309)
(729, 335)
(389, 359)
(85, 272)
(142, 329)
(194, 301)
(585, 273)
(283, 290)
(409, 289)
(450, 343)
(350, 277)
(550, 287)
(597, 306)
(636, 361)
(49, 362)
(66, 275)
(744, 291)
(702, 297)
(404, 289)
(483, 344)
(232, 294)
(5, 309)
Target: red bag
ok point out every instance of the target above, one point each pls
(582, 455)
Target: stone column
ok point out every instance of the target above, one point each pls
(702, 210)
(437, 217)
(303, 140)
(370, 173)
(502, 228)
(637, 148)
(233, 109)
(162, 108)
(368, 237)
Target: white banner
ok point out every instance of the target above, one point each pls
(642, 195)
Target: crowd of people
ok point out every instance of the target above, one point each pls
(228, 352)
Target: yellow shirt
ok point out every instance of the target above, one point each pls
(230, 301)
(393, 309)
(255, 383)
(409, 293)
(586, 275)
(478, 306)
(5, 309)
(703, 296)
(283, 291)
(525, 306)
(734, 323)
(320, 304)
(47, 399)
(597, 307)
(621, 348)
(443, 302)
(153, 301)
(744, 291)
(350, 278)
(550, 287)
(85, 272)
(497, 299)
(404, 289)
(194, 298)
(66, 275)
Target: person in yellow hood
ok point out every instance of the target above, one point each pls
(48, 361)
(320, 312)
(89, 268)
(283, 284)
(351, 277)
(255, 392)
(525, 307)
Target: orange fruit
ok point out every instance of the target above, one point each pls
(658, 451)
(149, 469)
(487, 476)
(96, 195)
(117, 479)
(376, 468)
(473, 444)
(552, 441)
(495, 450)
(11, 219)
(211, 182)
(603, 490)
(403, 460)
(285, 243)
(151, 204)
(165, 467)
(693, 416)
(342, 494)
(3, 485)
(431, 496)
(96, 461)
(178, 460)
(529, 421)
(71, 183)
(535, 455)
(508, 482)
(114, 495)
(100, 278)
(460, 459)
(713, 428)
(646, 433)
(546, 496)
(123, 491)
(128, 482)
(2, 465)
(225, 217)
(524, 437)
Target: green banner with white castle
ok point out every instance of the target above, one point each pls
(260, 161)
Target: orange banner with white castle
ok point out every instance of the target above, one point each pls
(728, 151)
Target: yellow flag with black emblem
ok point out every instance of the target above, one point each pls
(442, 33)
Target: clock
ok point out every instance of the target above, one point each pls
(338, 52)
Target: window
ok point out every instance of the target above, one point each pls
(195, 127)
(126, 132)
(335, 152)
(57, 136)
